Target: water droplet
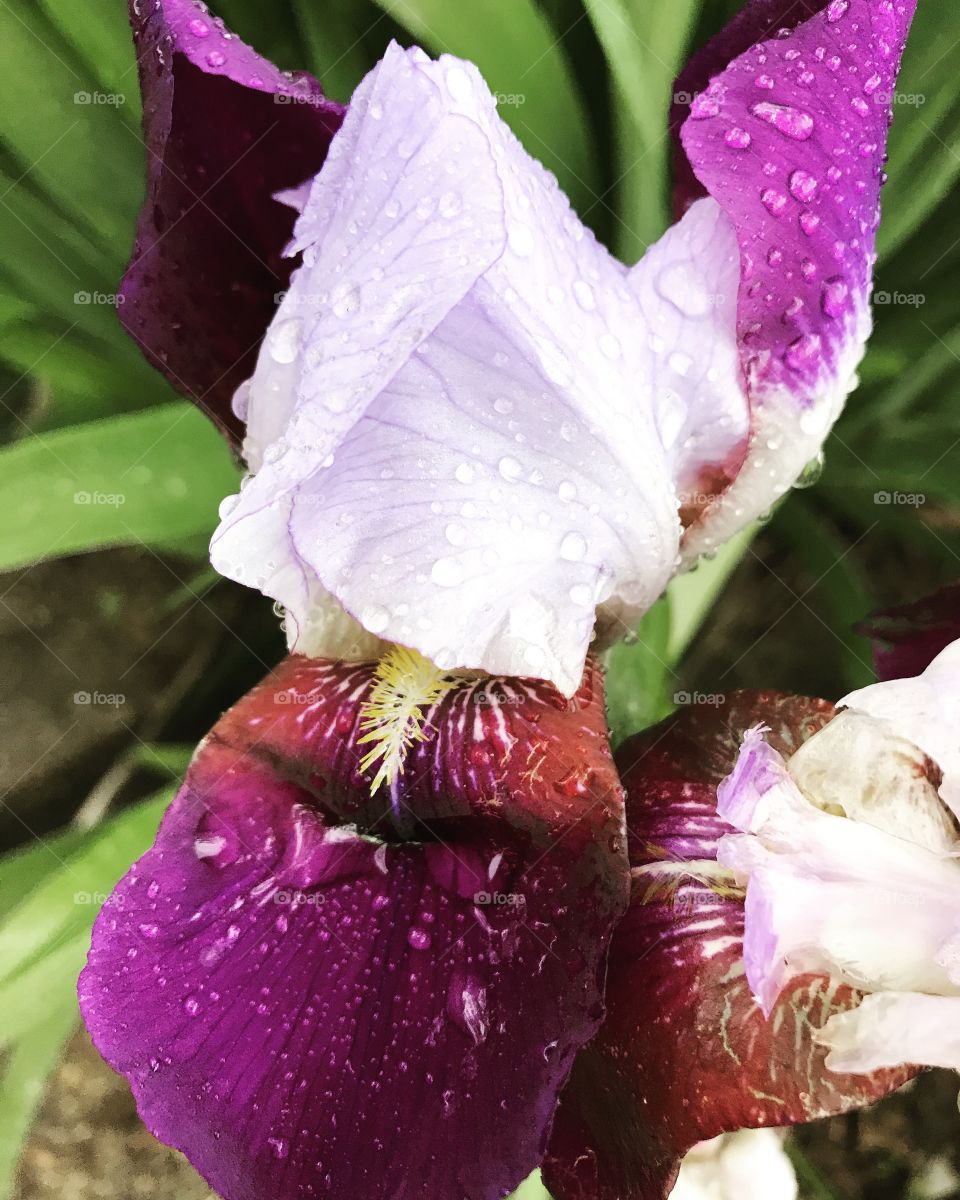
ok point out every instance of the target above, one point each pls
(573, 547)
(447, 572)
(465, 473)
(345, 301)
(809, 221)
(791, 122)
(419, 939)
(803, 186)
(583, 294)
(773, 201)
(375, 618)
(835, 296)
(802, 353)
(215, 58)
(450, 204)
(283, 340)
(704, 106)
(199, 28)
(837, 9)
(737, 138)
(191, 1006)
(567, 491)
(510, 469)
(764, 81)
(860, 106)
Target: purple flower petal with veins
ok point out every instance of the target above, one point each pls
(787, 132)
(314, 992)
(224, 130)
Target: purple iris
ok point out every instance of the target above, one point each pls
(475, 434)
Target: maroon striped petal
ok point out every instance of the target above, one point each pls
(685, 1053)
(224, 131)
(314, 992)
(908, 637)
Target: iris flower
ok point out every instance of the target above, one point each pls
(470, 429)
(850, 853)
(471, 432)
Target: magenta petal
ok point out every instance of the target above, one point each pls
(784, 125)
(310, 1007)
(224, 131)
(684, 1052)
(790, 138)
(908, 637)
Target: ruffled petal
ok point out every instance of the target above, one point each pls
(828, 893)
(787, 128)
(893, 1026)
(224, 130)
(685, 1053)
(908, 637)
(315, 992)
(456, 428)
(924, 710)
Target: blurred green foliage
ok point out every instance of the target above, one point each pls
(81, 412)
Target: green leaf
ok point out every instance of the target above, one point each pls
(103, 42)
(694, 594)
(26, 1068)
(84, 155)
(333, 34)
(146, 478)
(638, 677)
(645, 52)
(531, 1189)
(61, 908)
(524, 64)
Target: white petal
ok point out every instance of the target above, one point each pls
(895, 1028)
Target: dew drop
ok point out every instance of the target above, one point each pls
(737, 138)
(573, 547)
(510, 469)
(375, 618)
(791, 122)
(447, 572)
(283, 340)
(835, 295)
(419, 939)
(773, 201)
(803, 186)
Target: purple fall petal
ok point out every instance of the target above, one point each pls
(224, 130)
(317, 993)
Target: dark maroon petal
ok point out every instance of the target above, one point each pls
(316, 993)
(685, 1053)
(224, 131)
(908, 637)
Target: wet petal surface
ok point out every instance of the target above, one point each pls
(315, 992)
